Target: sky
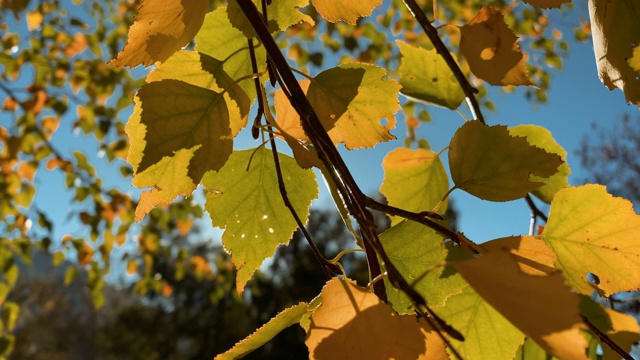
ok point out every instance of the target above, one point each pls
(576, 99)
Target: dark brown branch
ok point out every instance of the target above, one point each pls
(534, 209)
(607, 340)
(441, 48)
(327, 267)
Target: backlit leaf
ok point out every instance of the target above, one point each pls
(204, 71)
(220, 40)
(177, 116)
(349, 11)
(160, 29)
(248, 205)
(425, 76)
(281, 14)
(356, 104)
(34, 19)
(168, 178)
(354, 315)
(487, 334)
(415, 249)
(547, 3)
(414, 180)
(531, 254)
(593, 232)
(268, 331)
(621, 328)
(616, 31)
(492, 50)
(524, 301)
(489, 163)
(541, 137)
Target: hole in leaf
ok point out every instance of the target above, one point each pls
(593, 279)
(487, 53)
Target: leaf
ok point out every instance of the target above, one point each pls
(353, 315)
(281, 14)
(34, 19)
(351, 101)
(634, 61)
(616, 31)
(532, 255)
(284, 319)
(349, 11)
(160, 29)
(425, 76)
(621, 328)
(547, 3)
(492, 50)
(220, 40)
(414, 180)
(488, 335)
(202, 70)
(177, 116)
(168, 178)
(524, 301)
(489, 163)
(248, 205)
(541, 137)
(415, 249)
(593, 232)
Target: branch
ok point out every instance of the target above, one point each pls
(534, 209)
(441, 48)
(607, 340)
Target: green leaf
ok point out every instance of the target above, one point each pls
(6, 344)
(248, 205)
(178, 116)
(10, 311)
(541, 137)
(593, 232)
(282, 14)
(70, 275)
(415, 249)
(220, 40)
(425, 76)
(414, 180)
(489, 163)
(202, 70)
(268, 331)
(487, 334)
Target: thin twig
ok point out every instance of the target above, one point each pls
(607, 340)
(534, 209)
(441, 48)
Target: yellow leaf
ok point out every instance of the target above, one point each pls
(493, 165)
(168, 178)
(349, 11)
(353, 102)
(414, 180)
(616, 31)
(353, 315)
(533, 256)
(593, 232)
(547, 3)
(268, 331)
(34, 19)
(160, 29)
(634, 61)
(541, 137)
(524, 301)
(286, 116)
(492, 50)
(282, 14)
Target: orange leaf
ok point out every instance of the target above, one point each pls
(492, 50)
(160, 29)
(10, 104)
(354, 315)
(78, 44)
(27, 171)
(533, 256)
(34, 19)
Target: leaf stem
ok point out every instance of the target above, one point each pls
(441, 48)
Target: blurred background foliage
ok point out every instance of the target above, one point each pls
(161, 289)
